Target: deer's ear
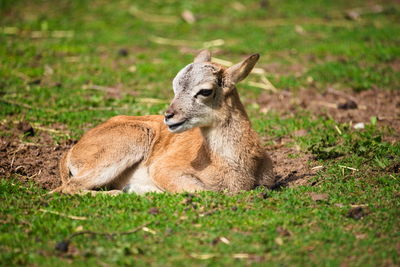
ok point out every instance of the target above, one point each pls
(240, 71)
(203, 56)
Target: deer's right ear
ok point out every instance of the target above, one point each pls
(203, 56)
(240, 71)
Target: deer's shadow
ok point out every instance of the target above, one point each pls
(285, 180)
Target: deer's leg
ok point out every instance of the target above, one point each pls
(179, 183)
(103, 160)
(188, 183)
(97, 176)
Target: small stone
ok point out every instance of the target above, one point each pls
(352, 15)
(35, 82)
(349, 104)
(188, 16)
(132, 68)
(356, 213)
(318, 197)
(282, 231)
(123, 52)
(26, 128)
(154, 211)
(62, 246)
(359, 126)
(279, 241)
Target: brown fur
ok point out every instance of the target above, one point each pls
(222, 155)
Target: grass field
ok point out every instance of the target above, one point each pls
(66, 66)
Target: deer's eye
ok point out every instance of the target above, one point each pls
(205, 92)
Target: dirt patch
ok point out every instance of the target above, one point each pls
(30, 159)
(339, 105)
(292, 167)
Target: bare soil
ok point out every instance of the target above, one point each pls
(32, 156)
(343, 107)
(292, 167)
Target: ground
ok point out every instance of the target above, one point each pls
(324, 99)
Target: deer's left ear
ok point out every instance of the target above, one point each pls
(203, 56)
(238, 72)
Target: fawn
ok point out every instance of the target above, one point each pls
(204, 141)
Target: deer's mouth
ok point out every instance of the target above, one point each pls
(173, 127)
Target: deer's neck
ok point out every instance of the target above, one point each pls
(232, 138)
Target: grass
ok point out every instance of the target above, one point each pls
(47, 80)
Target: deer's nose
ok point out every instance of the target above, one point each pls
(169, 113)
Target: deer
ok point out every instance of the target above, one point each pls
(204, 141)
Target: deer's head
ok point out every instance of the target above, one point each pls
(201, 91)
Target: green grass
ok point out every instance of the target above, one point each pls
(43, 80)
